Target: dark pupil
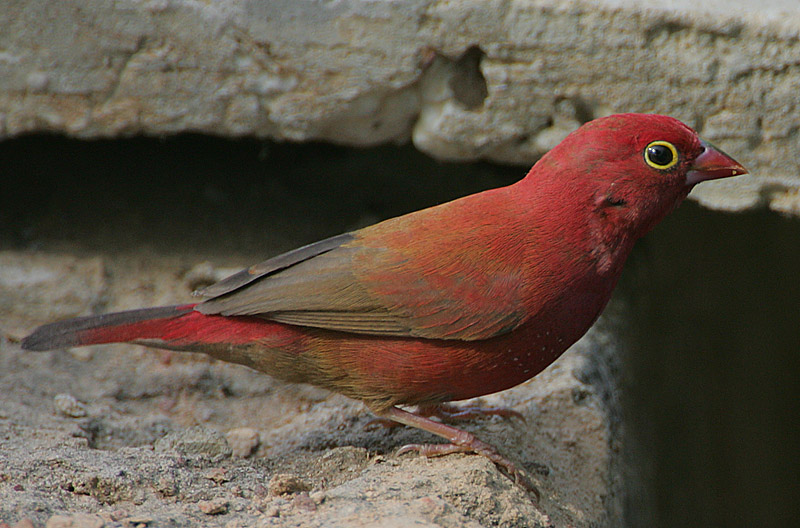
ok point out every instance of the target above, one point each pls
(659, 154)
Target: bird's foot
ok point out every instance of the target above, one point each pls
(452, 413)
(448, 413)
(460, 442)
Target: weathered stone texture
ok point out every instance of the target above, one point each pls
(495, 79)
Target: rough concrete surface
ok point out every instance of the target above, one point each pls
(496, 79)
(123, 436)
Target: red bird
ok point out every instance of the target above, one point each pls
(463, 299)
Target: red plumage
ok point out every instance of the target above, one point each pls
(467, 298)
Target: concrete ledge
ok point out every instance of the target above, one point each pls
(494, 79)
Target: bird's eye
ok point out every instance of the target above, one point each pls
(661, 155)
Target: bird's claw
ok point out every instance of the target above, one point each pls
(460, 441)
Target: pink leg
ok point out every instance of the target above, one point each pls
(460, 442)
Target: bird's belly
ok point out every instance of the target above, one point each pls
(386, 372)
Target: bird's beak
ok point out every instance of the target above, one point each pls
(711, 165)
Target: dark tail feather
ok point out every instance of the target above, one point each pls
(116, 327)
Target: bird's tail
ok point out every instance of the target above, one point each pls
(120, 327)
(182, 328)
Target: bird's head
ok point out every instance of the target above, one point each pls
(631, 169)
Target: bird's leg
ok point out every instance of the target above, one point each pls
(449, 413)
(460, 442)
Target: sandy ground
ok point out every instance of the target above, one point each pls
(124, 436)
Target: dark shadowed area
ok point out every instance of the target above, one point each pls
(198, 194)
(710, 379)
(709, 386)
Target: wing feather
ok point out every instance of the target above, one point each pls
(392, 279)
(273, 265)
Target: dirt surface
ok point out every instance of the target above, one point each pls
(120, 435)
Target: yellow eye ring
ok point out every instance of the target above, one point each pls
(661, 155)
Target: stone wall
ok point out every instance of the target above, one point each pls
(502, 80)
